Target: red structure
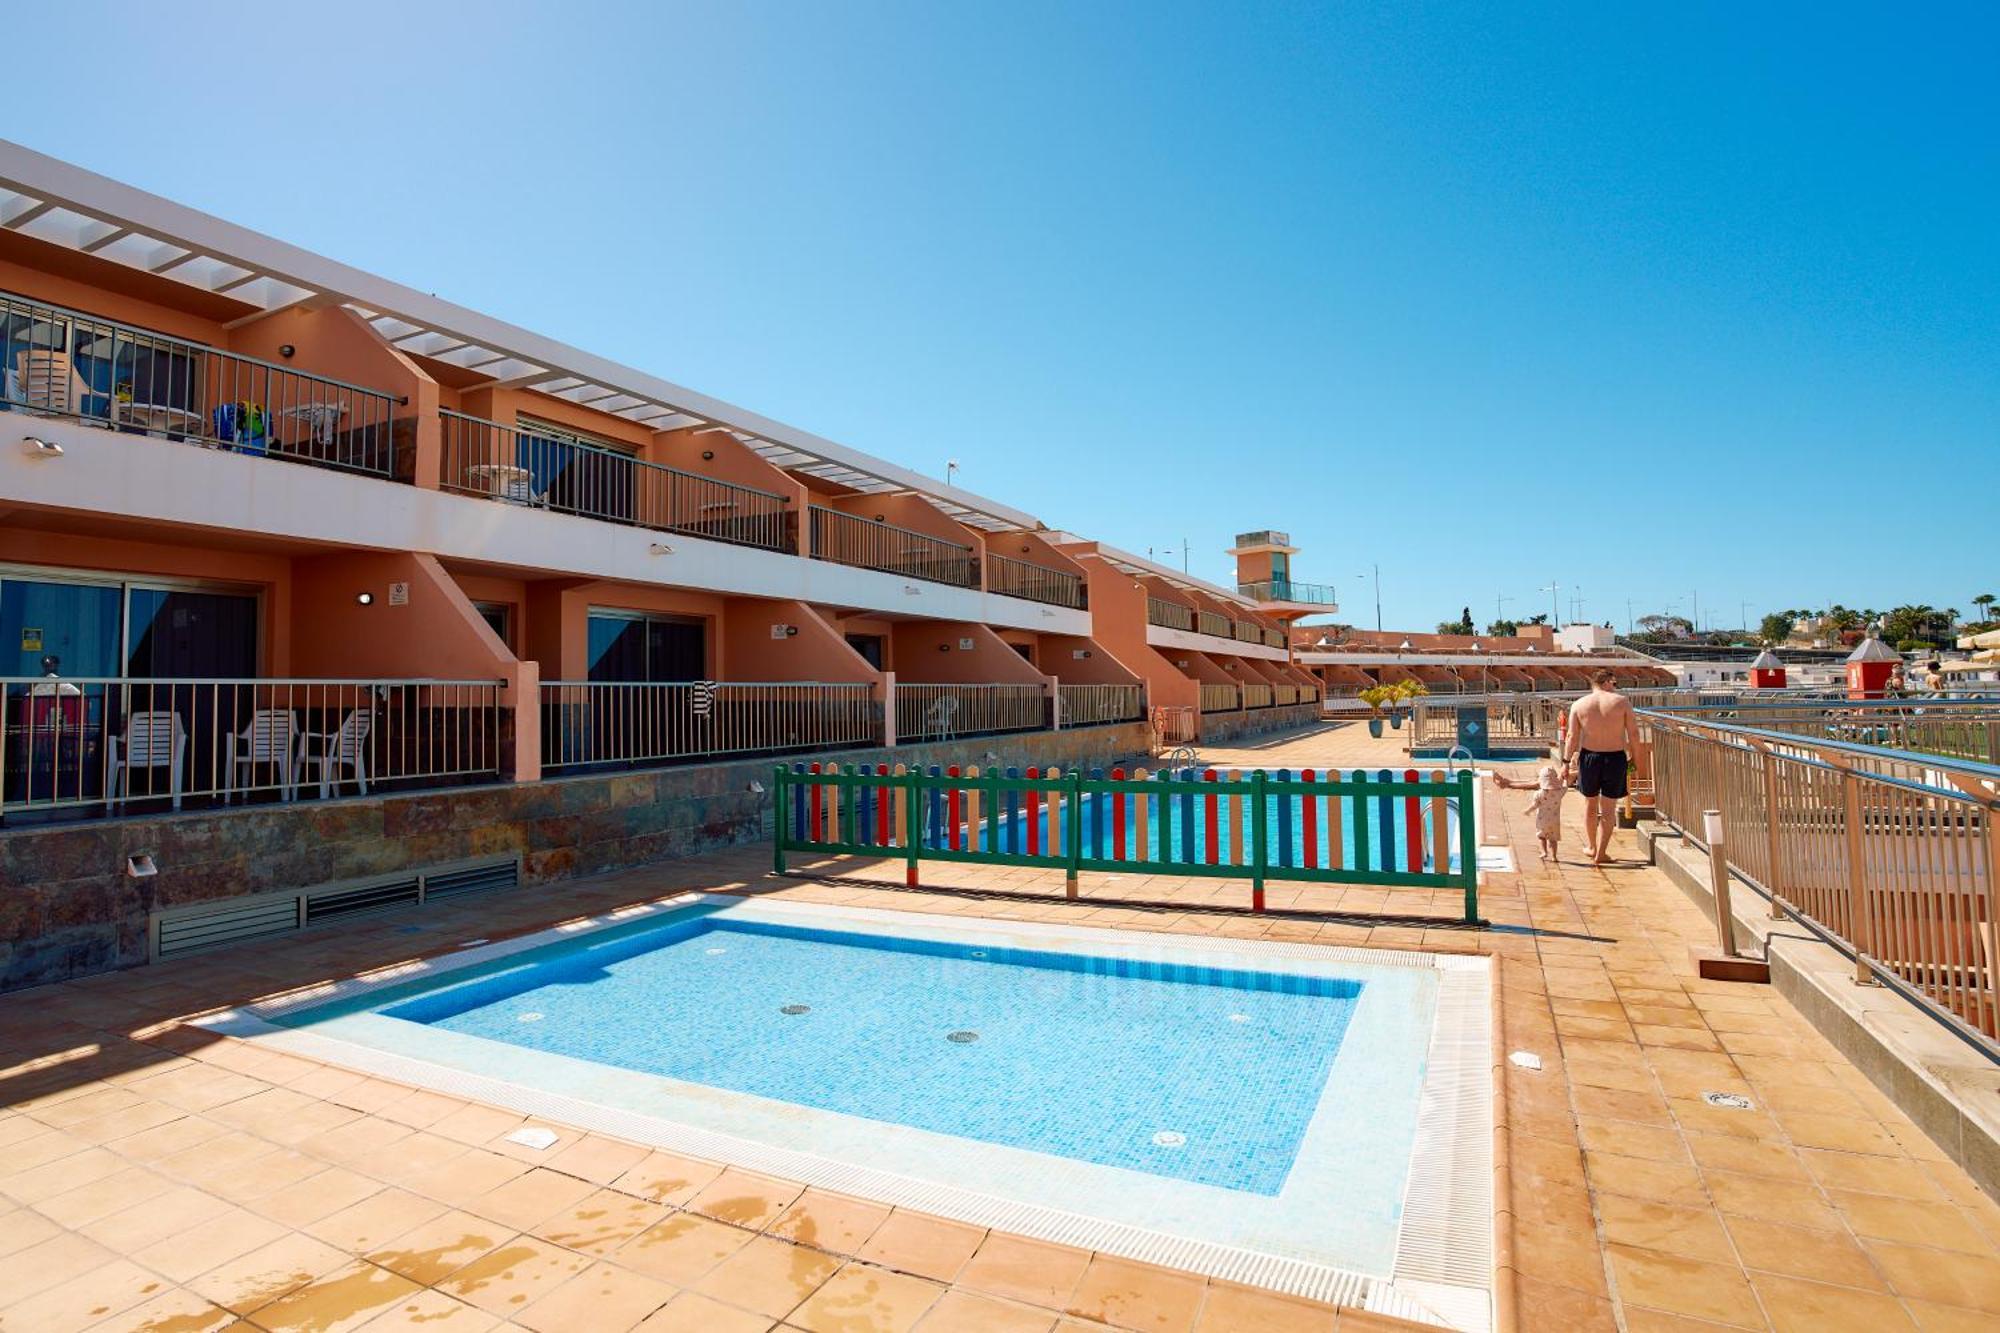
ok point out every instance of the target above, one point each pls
(1869, 667)
(1767, 672)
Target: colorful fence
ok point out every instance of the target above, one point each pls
(1407, 829)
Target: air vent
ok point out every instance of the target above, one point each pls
(376, 897)
(190, 932)
(473, 879)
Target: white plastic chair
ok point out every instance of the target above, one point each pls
(153, 739)
(271, 738)
(47, 381)
(938, 718)
(329, 753)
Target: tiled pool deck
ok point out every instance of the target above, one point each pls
(156, 1177)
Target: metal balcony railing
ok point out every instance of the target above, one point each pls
(1209, 623)
(1169, 615)
(65, 363)
(1095, 705)
(1284, 590)
(1274, 638)
(849, 539)
(127, 744)
(570, 476)
(1220, 698)
(1037, 583)
(1258, 694)
(587, 723)
(942, 712)
(1245, 632)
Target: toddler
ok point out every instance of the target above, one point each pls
(1546, 807)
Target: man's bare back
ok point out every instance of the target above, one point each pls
(1601, 720)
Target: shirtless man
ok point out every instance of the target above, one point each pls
(1602, 734)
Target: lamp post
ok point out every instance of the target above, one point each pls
(1499, 602)
(1554, 590)
(1376, 570)
(950, 471)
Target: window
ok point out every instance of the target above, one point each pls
(575, 472)
(500, 617)
(629, 646)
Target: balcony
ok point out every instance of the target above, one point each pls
(571, 476)
(1169, 615)
(849, 539)
(1211, 624)
(1037, 583)
(1284, 590)
(79, 745)
(1095, 705)
(66, 363)
(1245, 632)
(636, 724)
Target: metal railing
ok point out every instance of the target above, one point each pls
(1219, 698)
(1212, 624)
(1274, 638)
(1284, 590)
(1095, 705)
(65, 363)
(588, 723)
(1037, 583)
(1967, 729)
(942, 712)
(122, 743)
(546, 471)
(849, 539)
(1258, 694)
(1888, 855)
(1169, 615)
(1245, 632)
(1284, 696)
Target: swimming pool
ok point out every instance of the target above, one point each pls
(1306, 1118)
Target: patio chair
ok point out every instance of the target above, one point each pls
(47, 381)
(271, 738)
(939, 716)
(330, 753)
(152, 739)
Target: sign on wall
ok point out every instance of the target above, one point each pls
(965, 645)
(399, 594)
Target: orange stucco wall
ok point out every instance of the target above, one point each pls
(437, 633)
(929, 652)
(1118, 622)
(1102, 667)
(817, 652)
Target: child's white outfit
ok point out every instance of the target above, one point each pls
(1547, 808)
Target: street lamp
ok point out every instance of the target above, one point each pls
(1554, 590)
(1377, 572)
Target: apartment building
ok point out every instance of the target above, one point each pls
(278, 528)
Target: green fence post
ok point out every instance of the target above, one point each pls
(913, 825)
(1073, 831)
(1468, 848)
(778, 821)
(1257, 841)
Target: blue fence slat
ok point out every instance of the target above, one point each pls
(1013, 823)
(934, 813)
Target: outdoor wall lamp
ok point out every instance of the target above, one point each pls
(288, 351)
(39, 448)
(708, 455)
(660, 548)
(365, 598)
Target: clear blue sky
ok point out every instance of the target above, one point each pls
(1380, 276)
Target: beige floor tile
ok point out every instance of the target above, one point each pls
(226, 1236)
(768, 1276)
(431, 1312)
(531, 1199)
(1229, 1306)
(513, 1276)
(344, 1299)
(1865, 1173)
(306, 1201)
(603, 1298)
(432, 1251)
(863, 1299)
(1796, 1306)
(601, 1222)
(666, 1178)
(1034, 1272)
(127, 1188)
(744, 1198)
(1714, 1292)
(1818, 1256)
(21, 1227)
(596, 1159)
(923, 1245)
(375, 1220)
(105, 1291)
(1940, 1276)
(832, 1222)
(254, 1280)
(682, 1248)
(465, 1177)
(1943, 1225)
(176, 1310)
(177, 1212)
(1135, 1295)
(692, 1312)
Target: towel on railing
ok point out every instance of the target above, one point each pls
(243, 425)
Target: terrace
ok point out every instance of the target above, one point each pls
(1624, 1198)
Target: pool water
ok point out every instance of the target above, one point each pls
(1201, 1074)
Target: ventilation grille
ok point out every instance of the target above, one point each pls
(473, 879)
(189, 932)
(377, 897)
(210, 926)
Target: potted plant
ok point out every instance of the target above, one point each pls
(1404, 691)
(1375, 696)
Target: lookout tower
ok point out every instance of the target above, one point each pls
(1869, 667)
(1264, 575)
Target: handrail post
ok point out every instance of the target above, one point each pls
(1774, 848)
(1857, 875)
(1257, 850)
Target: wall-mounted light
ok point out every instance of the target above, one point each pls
(287, 351)
(140, 867)
(755, 788)
(365, 598)
(879, 518)
(708, 455)
(944, 647)
(660, 548)
(35, 447)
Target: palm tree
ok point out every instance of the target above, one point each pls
(1985, 602)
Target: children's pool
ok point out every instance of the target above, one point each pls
(1269, 1112)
